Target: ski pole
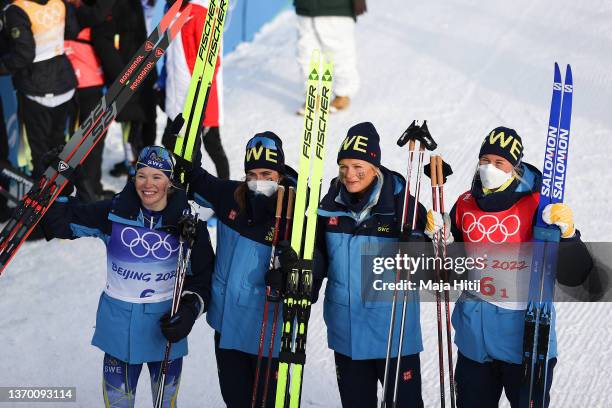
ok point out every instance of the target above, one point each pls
(397, 276)
(187, 238)
(264, 322)
(449, 344)
(276, 298)
(413, 133)
(405, 297)
(434, 200)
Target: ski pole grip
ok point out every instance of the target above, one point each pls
(439, 171)
(290, 202)
(408, 134)
(279, 201)
(411, 145)
(434, 171)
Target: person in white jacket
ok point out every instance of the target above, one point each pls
(330, 26)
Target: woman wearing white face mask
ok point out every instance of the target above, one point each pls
(501, 208)
(246, 215)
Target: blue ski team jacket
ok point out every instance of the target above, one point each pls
(356, 327)
(243, 252)
(130, 331)
(485, 332)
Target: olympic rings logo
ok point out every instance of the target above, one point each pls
(490, 227)
(149, 243)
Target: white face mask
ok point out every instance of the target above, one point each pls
(265, 187)
(492, 177)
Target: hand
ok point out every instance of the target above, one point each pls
(562, 216)
(187, 227)
(359, 7)
(276, 277)
(51, 158)
(436, 224)
(177, 327)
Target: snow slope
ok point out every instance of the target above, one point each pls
(466, 66)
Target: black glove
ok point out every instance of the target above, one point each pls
(179, 326)
(51, 158)
(276, 278)
(359, 7)
(187, 227)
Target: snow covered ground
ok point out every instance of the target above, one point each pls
(466, 66)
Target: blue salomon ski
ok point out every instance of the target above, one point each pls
(539, 312)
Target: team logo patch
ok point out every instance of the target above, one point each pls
(232, 215)
(15, 33)
(489, 228)
(332, 221)
(407, 375)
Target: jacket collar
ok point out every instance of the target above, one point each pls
(126, 208)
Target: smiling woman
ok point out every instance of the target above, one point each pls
(139, 227)
(154, 169)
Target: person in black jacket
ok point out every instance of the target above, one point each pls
(330, 26)
(42, 75)
(90, 83)
(116, 40)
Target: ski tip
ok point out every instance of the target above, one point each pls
(180, 21)
(169, 16)
(568, 74)
(315, 56)
(557, 73)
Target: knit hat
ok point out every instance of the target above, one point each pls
(156, 157)
(504, 142)
(362, 143)
(264, 151)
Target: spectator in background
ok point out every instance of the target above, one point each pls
(116, 41)
(330, 26)
(90, 82)
(42, 75)
(179, 63)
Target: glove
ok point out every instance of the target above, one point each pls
(437, 222)
(177, 327)
(187, 227)
(359, 7)
(562, 216)
(51, 158)
(276, 277)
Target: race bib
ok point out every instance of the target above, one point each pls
(141, 264)
(504, 280)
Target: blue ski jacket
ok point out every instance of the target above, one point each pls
(245, 229)
(485, 332)
(358, 327)
(129, 330)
